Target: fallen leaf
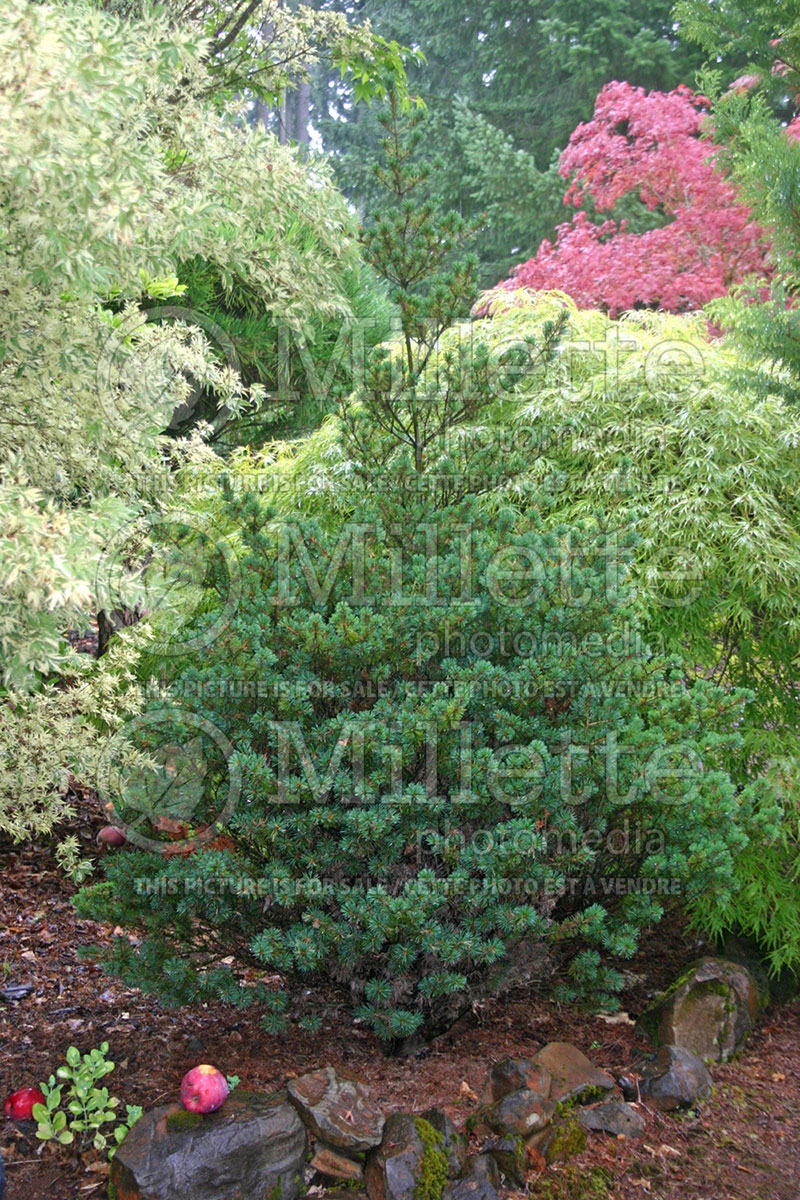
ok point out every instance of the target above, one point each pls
(620, 1018)
(100, 1168)
(169, 825)
(538, 1161)
(466, 1092)
(777, 1077)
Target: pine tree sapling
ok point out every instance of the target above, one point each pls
(652, 423)
(413, 249)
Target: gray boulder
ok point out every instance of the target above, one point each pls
(520, 1113)
(614, 1117)
(482, 1164)
(480, 1181)
(510, 1155)
(338, 1110)
(253, 1148)
(673, 1078)
(512, 1075)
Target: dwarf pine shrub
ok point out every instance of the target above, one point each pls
(451, 747)
(410, 747)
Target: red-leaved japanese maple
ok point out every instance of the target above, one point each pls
(647, 144)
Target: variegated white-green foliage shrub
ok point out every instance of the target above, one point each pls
(48, 735)
(115, 167)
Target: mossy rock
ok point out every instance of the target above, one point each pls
(410, 1163)
(710, 1009)
(590, 1095)
(560, 1141)
(511, 1156)
(453, 1142)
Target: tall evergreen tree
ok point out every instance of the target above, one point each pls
(505, 85)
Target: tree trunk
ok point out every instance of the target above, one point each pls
(284, 126)
(261, 112)
(109, 623)
(302, 113)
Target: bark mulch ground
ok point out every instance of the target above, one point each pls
(743, 1143)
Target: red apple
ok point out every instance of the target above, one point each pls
(203, 1089)
(110, 836)
(19, 1105)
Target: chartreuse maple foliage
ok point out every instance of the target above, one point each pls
(649, 145)
(638, 418)
(660, 429)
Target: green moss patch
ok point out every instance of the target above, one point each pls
(179, 1122)
(432, 1176)
(569, 1139)
(574, 1183)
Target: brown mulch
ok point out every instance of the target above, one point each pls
(743, 1143)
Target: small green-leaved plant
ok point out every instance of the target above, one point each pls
(88, 1107)
(52, 1121)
